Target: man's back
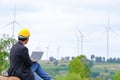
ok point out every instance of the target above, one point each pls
(20, 62)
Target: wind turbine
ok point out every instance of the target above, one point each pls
(13, 22)
(77, 42)
(58, 51)
(47, 52)
(80, 36)
(108, 29)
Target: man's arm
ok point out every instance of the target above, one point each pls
(26, 57)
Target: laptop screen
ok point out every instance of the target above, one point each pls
(36, 55)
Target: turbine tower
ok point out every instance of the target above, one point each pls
(80, 36)
(47, 52)
(77, 42)
(108, 29)
(58, 52)
(13, 22)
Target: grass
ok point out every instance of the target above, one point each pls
(106, 66)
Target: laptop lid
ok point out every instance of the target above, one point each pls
(36, 55)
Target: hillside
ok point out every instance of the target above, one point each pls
(98, 70)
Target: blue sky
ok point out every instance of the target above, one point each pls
(53, 25)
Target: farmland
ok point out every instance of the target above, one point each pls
(103, 69)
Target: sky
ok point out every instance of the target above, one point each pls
(56, 25)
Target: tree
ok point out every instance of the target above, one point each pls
(62, 58)
(51, 59)
(90, 63)
(80, 66)
(98, 59)
(5, 44)
(77, 69)
(92, 57)
(118, 60)
(55, 62)
(67, 58)
(72, 57)
(95, 74)
(117, 76)
(103, 59)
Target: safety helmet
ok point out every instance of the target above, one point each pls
(24, 32)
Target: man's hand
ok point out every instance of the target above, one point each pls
(33, 60)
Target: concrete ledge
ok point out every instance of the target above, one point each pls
(9, 78)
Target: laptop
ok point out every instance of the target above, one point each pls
(36, 55)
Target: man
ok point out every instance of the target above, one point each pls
(21, 65)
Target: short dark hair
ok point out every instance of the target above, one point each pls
(22, 38)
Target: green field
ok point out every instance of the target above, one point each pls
(61, 69)
(99, 67)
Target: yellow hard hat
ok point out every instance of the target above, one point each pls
(24, 32)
